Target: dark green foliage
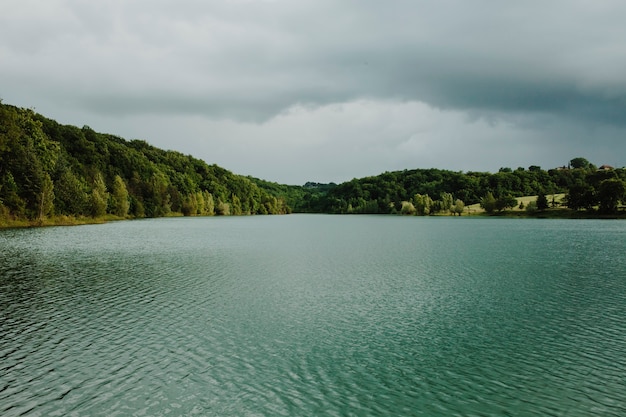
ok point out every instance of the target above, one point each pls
(579, 163)
(597, 189)
(506, 201)
(542, 201)
(610, 193)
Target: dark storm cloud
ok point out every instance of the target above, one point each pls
(253, 59)
(530, 66)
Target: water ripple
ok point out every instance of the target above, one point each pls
(313, 315)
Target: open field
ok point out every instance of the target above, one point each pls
(558, 198)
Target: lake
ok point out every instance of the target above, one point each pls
(306, 315)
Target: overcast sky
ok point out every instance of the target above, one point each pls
(328, 90)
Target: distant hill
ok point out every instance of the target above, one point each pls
(49, 170)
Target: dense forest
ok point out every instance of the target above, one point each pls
(49, 170)
(431, 191)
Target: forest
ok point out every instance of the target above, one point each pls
(51, 172)
(48, 169)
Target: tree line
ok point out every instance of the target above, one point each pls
(48, 169)
(434, 191)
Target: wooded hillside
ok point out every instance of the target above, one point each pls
(48, 169)
(51, 169)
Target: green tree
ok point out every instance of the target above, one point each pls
(542, 202)
(423, 204)
(9, 197)
(458, 207)
(408, 208)
(99, 196)
(579, 163)
(236, 206)
(119, 197)
(222, 208)
(209, 203)
(70, 195)
(610, 193)
(46, 198)
(531, 207)
(506, 201)
(446, 201)
(581, 196)
(488, 203)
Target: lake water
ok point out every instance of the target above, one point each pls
(307, 315)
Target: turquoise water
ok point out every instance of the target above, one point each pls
(306, 315)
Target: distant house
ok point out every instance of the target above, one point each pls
(605, 168)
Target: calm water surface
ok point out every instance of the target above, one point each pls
(308, 315)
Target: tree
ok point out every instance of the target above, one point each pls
(488, 203)
(506, 201)
(423, 204)
(119, 197)
(99, 197)
(446, 201)
(542, 202)
(581, 196)
(46, 197)
(209, 203)
(70, 195)
(610, 193)
(531, 207)
(458, 207)
(408, 208)
(579, 163)
(222, 208)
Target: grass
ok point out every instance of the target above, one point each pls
(476, 209)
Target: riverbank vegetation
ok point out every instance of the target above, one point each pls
(52, 173)
(58, 174)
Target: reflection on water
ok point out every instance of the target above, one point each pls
(314, 315)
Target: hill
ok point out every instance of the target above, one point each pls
(48, 169)
(53, 173)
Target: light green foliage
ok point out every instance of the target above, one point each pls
(488, 203)
(222, 208)
(458, 207)
(119, 197)
(209, 204)
(46, 198)
(408, 208)
(236, 209)
(99, 196)
(423, 204)
(446, 201)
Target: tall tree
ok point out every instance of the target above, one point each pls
(119, 197)
(542, 201)
(46, 197)
(610, 193)
(99, 196)
(488, 203)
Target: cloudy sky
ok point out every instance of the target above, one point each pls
(328, 90)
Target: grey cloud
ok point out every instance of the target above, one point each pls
(550, 71)
(254, 59)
